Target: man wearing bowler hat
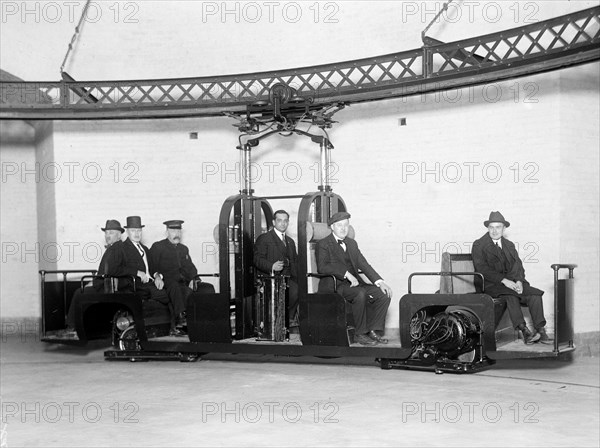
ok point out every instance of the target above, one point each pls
(139, 265)
(173, 264)
(112, 264)
(497, 259)
(339, 255)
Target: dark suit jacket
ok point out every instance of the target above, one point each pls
(112, 264)
(173, 261)
(331, 260)
(134, 260)
(269, 248)
(488, 261)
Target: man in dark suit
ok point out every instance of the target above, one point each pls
(173, 264)
(112, 264)
(139, 265)
(275, 253)
(497, 259)
(339, 255)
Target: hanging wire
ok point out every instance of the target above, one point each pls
(74, 38)
(444, 8)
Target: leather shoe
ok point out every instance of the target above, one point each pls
(177, 332)
(181, 320)
(544, 338)
(376, 337)
(363, 339)
(528, 336)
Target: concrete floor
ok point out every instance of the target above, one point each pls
(66, 396)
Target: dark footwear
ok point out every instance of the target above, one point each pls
(177, 332)
(181, 320)
(528, 336)
(67, 333)
(544, 338)
(376, 337)
(363, 339)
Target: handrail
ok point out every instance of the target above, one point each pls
(445, 274)
(556, 267)
(93, 277)
(574, 39)
(335, 280)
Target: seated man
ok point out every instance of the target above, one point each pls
(275, 252)
(139, 266)
(497, 259)
(173, 264)
(112, 264)
(340, 256)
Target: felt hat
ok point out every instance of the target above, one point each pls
(112, 224)
(339, 216)
(134, 222)
(496, 217)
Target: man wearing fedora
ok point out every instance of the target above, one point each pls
(112, 264)
(173, 264)
(139, 265)
(496, 258)
(339, 255)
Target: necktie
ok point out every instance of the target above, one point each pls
(143, 255)
(342, 245)
(283, 239)
(503, 257)
(142, 252)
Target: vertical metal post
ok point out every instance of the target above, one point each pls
(64, 285)
(556, 311)
(325, 147)
(246, 160)
(272, 298)
(43, 280)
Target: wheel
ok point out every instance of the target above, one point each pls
(128, 341)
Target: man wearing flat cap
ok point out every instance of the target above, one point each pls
(497, 259)
(173, 264)
(339, 255)
(112, 264)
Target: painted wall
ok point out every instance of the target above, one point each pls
(414, 191)
(19, 289)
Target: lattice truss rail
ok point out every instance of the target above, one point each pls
(563, 41)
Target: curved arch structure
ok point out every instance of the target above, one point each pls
(552, 44)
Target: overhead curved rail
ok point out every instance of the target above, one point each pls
(549, 45)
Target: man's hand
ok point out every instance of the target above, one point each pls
(519, 287)
(158, 281)
(352, 279)
(512, 285)
(385, 288)
(278, 266)
(143, 276)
